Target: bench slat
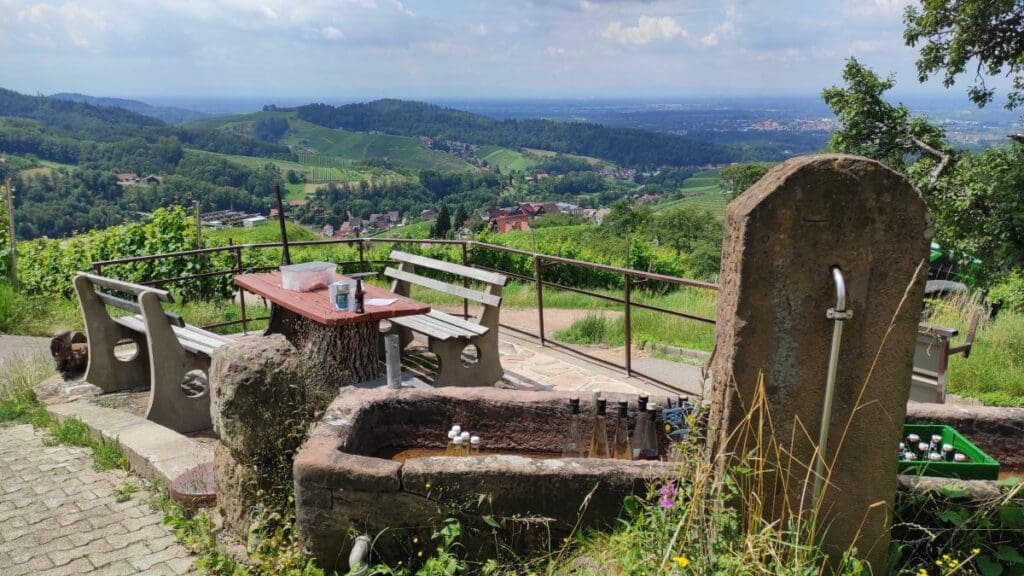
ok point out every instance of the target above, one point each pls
(191, 338)
(432, 327)
(460, 291)
(128, 287)
(130, 306)
(457, 269)
(458, 322)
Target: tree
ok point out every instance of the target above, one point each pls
(685, 228)
(442, 224)
(461, 215)
(957, 33)
(873, 127)
(738, 177)
(624, 219)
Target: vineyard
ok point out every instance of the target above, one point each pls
(702, 190)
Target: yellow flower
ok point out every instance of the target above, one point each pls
(938, 562)
(419, 554)
(415, 539)
(428, 485)
(975, 551)
(922, 572)
(682, 561)
(668, 427)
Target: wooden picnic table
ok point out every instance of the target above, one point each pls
(338, 347)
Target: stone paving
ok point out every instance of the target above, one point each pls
(59, 516)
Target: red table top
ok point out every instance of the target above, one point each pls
(316, 304)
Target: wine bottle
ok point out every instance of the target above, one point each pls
(621, 448)
(572, 445)
(598, 444)
(360, 296)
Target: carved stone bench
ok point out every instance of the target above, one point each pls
(448, 336)
(167, 350)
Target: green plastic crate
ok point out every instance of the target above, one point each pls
(980, 467)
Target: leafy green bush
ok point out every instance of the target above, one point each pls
(1010, 291)
(10, 312)
(47, 266)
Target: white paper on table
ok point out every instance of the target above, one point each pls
(380, 301)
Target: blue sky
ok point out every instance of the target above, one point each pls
(354, 49)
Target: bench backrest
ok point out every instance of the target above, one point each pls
(406, 275)
(931, 358)
(91, 281)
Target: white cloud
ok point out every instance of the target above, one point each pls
(862, 46)
(870, 8)
(556, 51)
(647, 30)
(709, 40)
(331, 33)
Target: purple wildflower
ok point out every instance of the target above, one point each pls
(668, 492)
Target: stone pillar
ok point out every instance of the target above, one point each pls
(262, 405)
(782, 236)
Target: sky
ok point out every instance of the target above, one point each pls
(469, 49)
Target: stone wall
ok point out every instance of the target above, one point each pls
(343, 488)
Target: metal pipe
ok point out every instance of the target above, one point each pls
(358, 557)
(837, 315)
(392, 357)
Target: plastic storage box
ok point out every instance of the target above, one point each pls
(307, 276)
(980, 466)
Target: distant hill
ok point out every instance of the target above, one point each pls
(628, 146)
(168, 114)
(96, 122)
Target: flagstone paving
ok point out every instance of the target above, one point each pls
(59, 516)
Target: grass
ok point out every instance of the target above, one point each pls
(125, 492)
(402, 151)
(702, 190)
(994, 372)
(506, 159)
(19, 405)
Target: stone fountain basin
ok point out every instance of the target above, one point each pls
(342, 486)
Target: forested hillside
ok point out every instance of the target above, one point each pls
(168, 114)
(627, 146)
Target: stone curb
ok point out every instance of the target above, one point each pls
(154, 452)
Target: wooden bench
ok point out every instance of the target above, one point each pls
(447, 335)
(167, 350)
(931, 359)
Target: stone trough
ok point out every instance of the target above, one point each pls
(346, 482)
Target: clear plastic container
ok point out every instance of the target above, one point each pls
(307, 276)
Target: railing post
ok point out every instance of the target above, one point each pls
(465, 282)
(537, 266)
(628, 321)
(362, 261)
(237, 252)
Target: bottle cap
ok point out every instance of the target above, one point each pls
(922, 447)
(456, 428)
(935, 456)
(474, 440)
(914, 438)
(937, 438)
(464, 435)
(623, 408)
(642, 403)
(910, 456)
(602, 406)
(959, 457)
(458, 440)
(574, 405)
(452, 434)
(947, 447)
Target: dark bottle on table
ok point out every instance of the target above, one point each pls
(621, 449)
(597, 447)
(360, 295)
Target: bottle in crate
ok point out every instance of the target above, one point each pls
(621, 449)
(597, 446)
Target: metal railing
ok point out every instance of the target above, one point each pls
(632, 279)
